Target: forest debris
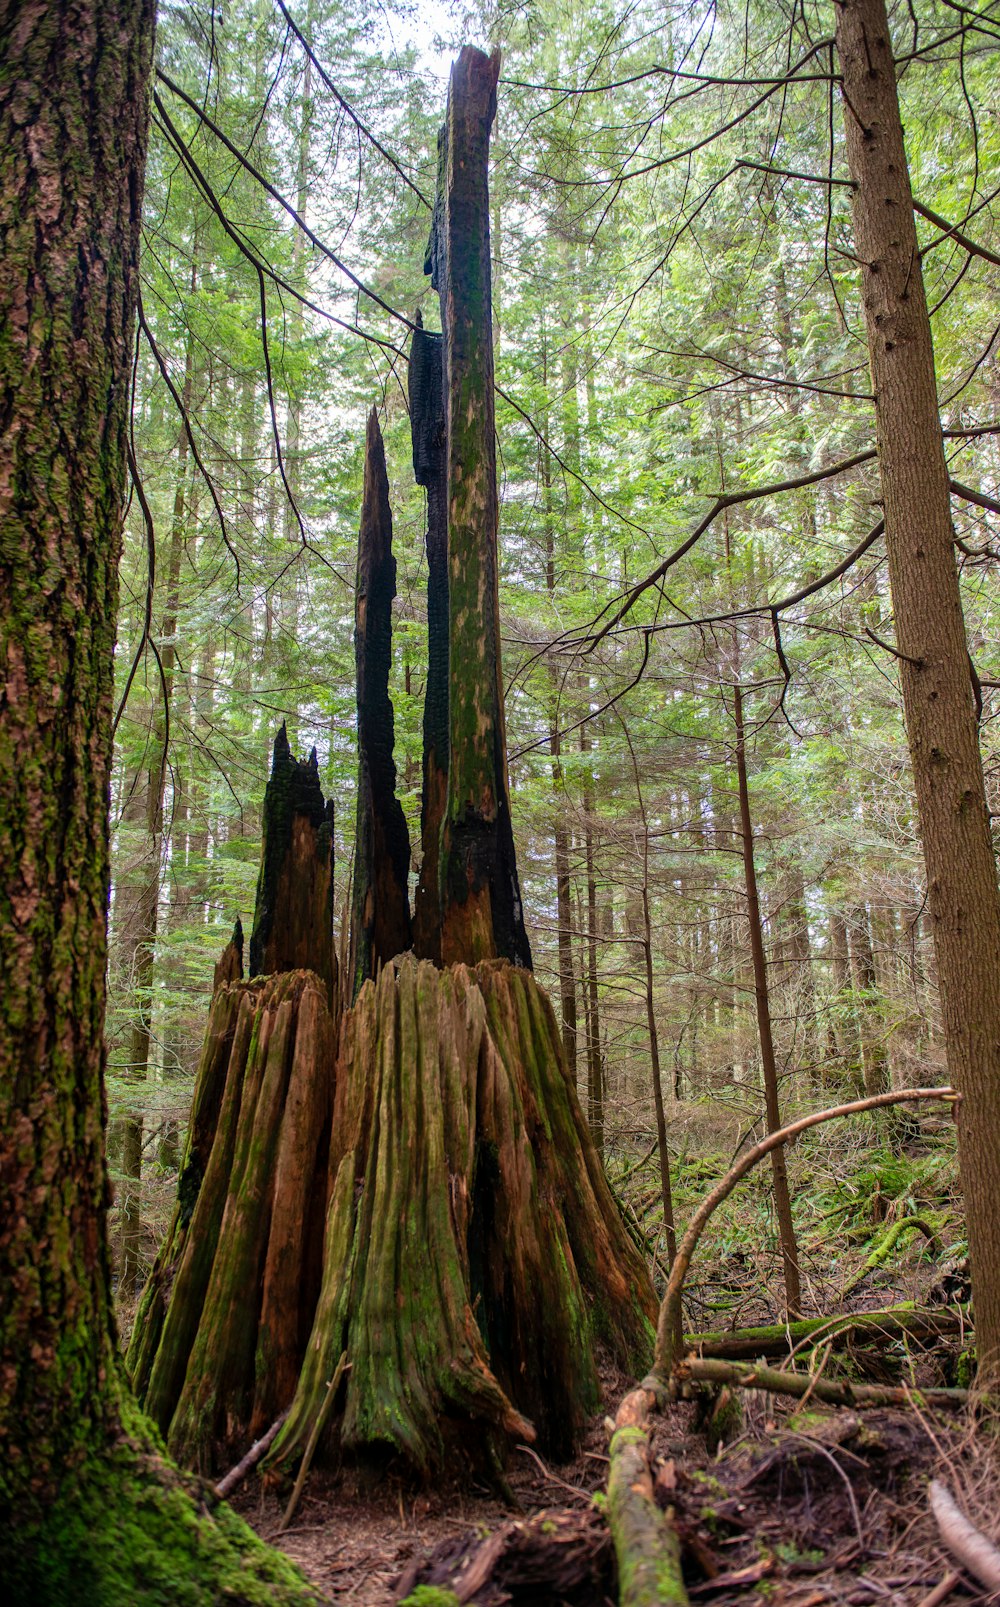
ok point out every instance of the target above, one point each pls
(751, 1575)
(566, 1554)
(778, 1339)
(974, 1551)
(942, 1590)
(670, 1307)
(313, 1441)
(236, 1475)
(646, 1542)
(886, 1245)
(833, 1393)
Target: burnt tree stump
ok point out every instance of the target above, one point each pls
(393, 1223)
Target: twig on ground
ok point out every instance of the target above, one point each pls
(573, 1489)
(236, 1475)
(942, 1590)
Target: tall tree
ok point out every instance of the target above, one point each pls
(938, 702)
(89, 1513)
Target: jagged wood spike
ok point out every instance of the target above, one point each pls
(481, 911)
(427, 430)
(229, 965)
(293, 914)
(380, 926)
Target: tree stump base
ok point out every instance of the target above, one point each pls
(443, 1221)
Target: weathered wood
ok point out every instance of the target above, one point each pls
(380, 926)
(481, 912)
(293, 914)
(834, 1393)
(428, 435)
(229, 965)
(459, 1145)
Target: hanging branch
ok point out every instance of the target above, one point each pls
(192, 443)
(347, 107)
(255, 173)
(670, 1306)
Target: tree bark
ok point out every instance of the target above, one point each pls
(938, 704)
(380, 925)
(481, 911)
(427, 430)
(91, 1513)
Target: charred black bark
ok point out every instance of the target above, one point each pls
(380, 927)
(481, 911)
(427, 429)
(293, 914)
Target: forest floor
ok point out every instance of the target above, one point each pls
(801, 1508)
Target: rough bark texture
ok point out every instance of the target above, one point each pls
(91, 1513)
(222, 1325)
(472, 1253)
(293, 916)
(938, 702)
(481, 913)
(380, 928)
(473, 1250)
(68, 241)
(427, 429)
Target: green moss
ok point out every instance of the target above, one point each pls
(130, 1529)
(430, 1596)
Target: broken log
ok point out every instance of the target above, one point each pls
(380, 925)
(293, 914)
(481, 912)
(646, 1543)
(778, 1339)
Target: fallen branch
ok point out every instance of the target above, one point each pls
(236, 1475)
(670, 1308)
(883, 1250)
(833, 1392)
(778, 1339)
(646, 1543)
(977, 1554)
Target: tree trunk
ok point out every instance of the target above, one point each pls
(91, 1513)
(481, 912)
(782, 1199)
(380, 928)
(938, 703)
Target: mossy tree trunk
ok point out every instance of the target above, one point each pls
(91, 1513)
(380, 928)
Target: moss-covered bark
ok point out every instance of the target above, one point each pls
(90, 1512)
(380, 925)
(473, 1250)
